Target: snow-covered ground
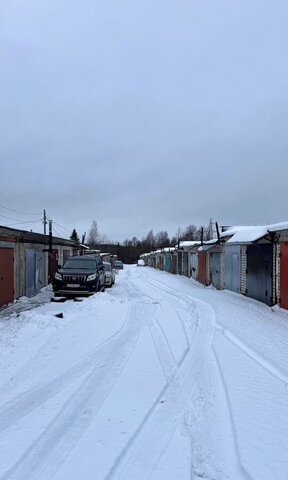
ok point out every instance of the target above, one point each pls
(156, 378)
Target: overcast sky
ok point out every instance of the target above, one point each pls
(143, 113)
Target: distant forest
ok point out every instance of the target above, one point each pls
(130, 250)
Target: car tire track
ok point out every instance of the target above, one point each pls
(50, 449)
(143, 452)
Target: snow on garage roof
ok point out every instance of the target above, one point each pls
(247, 234)
(188, 243)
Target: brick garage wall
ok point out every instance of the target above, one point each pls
(243, 270)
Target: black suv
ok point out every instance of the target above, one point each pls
(82, 275)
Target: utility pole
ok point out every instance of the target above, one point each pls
(217, 230)
(44, 221)
(50, 236)
(83, 240)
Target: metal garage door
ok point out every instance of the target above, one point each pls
(179, 270)
(232, 267)
(34, 272)
(194, 266)
(185, 264)
(259, 272)
(202, 267)
(6, 275)
(216, 269)
(284, 275)
(167, 264)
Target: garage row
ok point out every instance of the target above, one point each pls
(28, 260)
(251, 261)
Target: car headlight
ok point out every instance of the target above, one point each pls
(58, 276)
(92, 276)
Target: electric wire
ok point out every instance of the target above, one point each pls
(18, 211)
(61, 226)
(16, 219)
(29, 222)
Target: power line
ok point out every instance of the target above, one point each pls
(15, 219)
(58, 233)
(271, 216)
(18, 211)
(61, 226)
(24, 223)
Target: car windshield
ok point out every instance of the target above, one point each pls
(118, 263)
(107, 267)
(81, 264)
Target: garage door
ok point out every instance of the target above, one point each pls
(6, 275)
(259, 272)
(284, 275)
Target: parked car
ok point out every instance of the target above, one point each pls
(140, 263)
(118, 265)
(109, 274)
(80, 275)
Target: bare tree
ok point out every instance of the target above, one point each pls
(93, 235)
(150, 241)
(162, 239)
(189, 232)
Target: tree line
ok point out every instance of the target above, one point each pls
(130, 250)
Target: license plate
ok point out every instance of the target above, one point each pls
(73, 285)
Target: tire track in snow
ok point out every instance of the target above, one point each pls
(272, 369)
(144, 450)
(159, 338)
(15, 408)
(276, 372)
(163, 350)
(18, 407)
(230, 430)
(49, 450)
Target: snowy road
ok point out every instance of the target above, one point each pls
(157, 378)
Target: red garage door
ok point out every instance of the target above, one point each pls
(6, 276)
(284, 275)
(202, 277)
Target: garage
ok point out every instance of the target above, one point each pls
(260, 272)
(284, 275)
(232, 274)
(6, 275)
